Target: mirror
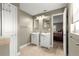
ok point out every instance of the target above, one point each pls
(41, 24)
(36, 25)
(46, 25)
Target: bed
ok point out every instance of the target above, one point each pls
(58, 36)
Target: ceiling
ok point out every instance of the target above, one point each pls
(37, 8)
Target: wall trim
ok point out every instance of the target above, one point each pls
(24, 45)
(18, 53)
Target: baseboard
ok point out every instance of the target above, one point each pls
(24, 45)
(18, 54)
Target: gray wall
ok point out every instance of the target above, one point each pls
(58, 19)
(25, 23)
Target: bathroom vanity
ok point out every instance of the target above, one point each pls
(41, 31)
(35, 38)
(45, 40)
(41, 39)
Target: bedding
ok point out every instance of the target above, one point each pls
(58, 36)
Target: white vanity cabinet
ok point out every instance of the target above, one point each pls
(45, 40)
(35, 38)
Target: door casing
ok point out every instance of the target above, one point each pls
(64, 29)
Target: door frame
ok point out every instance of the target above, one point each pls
(64, 35)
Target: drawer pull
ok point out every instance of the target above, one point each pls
(71, 37)
(77, 44)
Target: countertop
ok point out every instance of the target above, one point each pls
(4, 41)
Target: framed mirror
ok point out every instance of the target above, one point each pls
(46, 25)
(36, 25)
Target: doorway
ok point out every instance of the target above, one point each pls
(59, 30)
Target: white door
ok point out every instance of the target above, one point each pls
(52, 26)
(65, 31)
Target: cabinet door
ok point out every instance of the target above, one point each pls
(71, 47)
(41, 40)
(45, 41)
(35, 39)
(74, 45)
(74, 48)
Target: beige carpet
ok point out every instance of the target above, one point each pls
(33, 50)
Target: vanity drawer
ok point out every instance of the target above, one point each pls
(35, 39)
(74, 47)
(45, 41)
